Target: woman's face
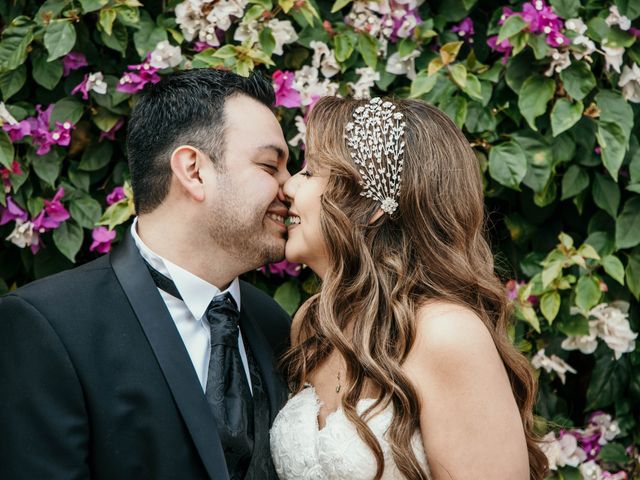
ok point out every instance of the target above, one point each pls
(305, 243)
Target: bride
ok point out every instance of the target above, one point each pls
(400, 366)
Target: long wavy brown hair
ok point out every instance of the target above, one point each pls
(380, 274)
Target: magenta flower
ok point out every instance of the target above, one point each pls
(199, 46)
(102, 238)
(73, 61)
(6, 172)
(82, 87)
(115, 196)
(11, 212)
(404, 24)
(111, 134)
(286, 95)
(18, 131)
(280, 268)
(464, 29)
(132, 82)
(55, 211)
(502, 47)
(634, 31)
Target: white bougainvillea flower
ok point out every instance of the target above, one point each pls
(552, 364)
(613, 327)
(190, 19)
(613, 57)
(576, 25)
(403, 65)
(165, 55)
(209, 35)
(302, 131)
(609, 428)
(587, 344)
(630, 83)
(247, 32)
(559, 61)
(324, 59)
(308, 83)
(6, 116)
(222, 14)
(283, 33)
(563, 451)
(615, 18)
(23, 234)
(368, 77)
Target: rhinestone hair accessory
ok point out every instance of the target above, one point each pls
(376, 142)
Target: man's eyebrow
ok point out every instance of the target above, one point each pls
(279, 151)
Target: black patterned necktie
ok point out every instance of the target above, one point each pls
(227, 389)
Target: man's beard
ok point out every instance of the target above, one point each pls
(248, 240)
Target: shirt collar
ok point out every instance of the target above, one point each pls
(196, 292)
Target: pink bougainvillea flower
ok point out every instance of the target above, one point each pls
(91, 82)
(54, 208)
(286, 95)
(115, 196)
(465, 29)
(18, 131)
(281, 268)
(73, 61)
(557, 39)
(132, 82)
(102, 238)
(6, 172)
(111, 134)
(11, 212)
(199, 46)
(504, 47)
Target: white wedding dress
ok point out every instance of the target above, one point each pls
(302, 451)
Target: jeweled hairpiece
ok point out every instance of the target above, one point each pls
(376, 142)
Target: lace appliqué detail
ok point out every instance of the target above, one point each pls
(301, 451)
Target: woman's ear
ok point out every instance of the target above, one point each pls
(378, 213)
(186, 162)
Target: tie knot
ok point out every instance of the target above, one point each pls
(223, 318)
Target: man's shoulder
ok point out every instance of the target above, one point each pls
(62, 284)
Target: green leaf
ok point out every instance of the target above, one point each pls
(578, 80)
(550, 305)
(339, 5)
(128, 16)
(12, 81)
(609, 380)
(512, 25)
(148, 35)
(16, 39)
(422, 84)
(613, 453)
(46, 73)
(456, 108)
(473, 88)
(628, 224)
(117, 40)
(507, 164)
(614, 268)
(107, 17)
(574, 181)
(565, 115)
(68, 238)
(92, 5)
(96, 156)
(86, 211)
(344, 46)
(632, 273)
(117, 214)
(587, 292)
(613, 145)
(47, 167)
(550, 273)
(628, 8)
(606, 194)
(368, 48)
(66, 110)
(615, 109)
(458, 74)
(105, 120)
(59, 38)
(533, 97)
(267, 41)
(51, 9)
(566, 8)
(6, 150)
(288, 296)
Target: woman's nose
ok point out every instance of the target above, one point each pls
(289, 187)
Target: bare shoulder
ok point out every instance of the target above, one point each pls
(450, 332)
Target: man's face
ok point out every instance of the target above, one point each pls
(246, 206)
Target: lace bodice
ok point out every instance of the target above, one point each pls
(302, 451)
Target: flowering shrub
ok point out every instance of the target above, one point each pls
(546, 93)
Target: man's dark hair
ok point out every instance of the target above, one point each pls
(184, 108)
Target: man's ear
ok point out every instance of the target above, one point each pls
(186, 162)
(378, 213)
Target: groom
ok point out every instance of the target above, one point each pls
(155, 361)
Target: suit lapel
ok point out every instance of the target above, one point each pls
(171, 354)
(262, 352)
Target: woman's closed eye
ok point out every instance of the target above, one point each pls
(306, 173)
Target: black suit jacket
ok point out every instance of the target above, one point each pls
(97, 383)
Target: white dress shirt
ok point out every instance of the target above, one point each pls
(188, 313)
